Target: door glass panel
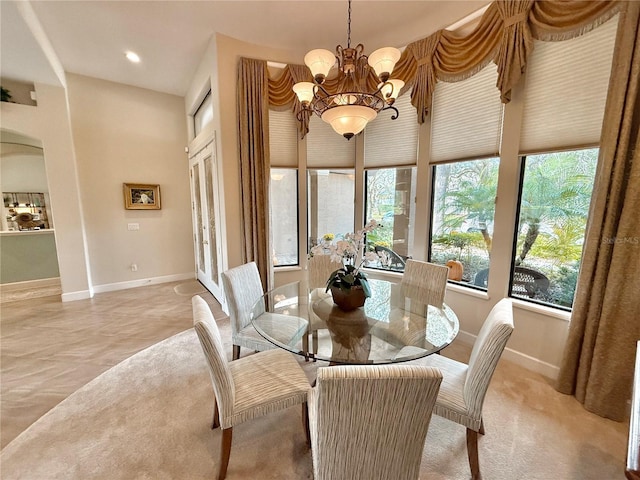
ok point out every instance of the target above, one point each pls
(208, 169)
(198, 206)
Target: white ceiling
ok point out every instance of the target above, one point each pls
(90, 37)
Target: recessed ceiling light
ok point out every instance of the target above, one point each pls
(132, 57)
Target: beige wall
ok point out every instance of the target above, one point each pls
(125, 134)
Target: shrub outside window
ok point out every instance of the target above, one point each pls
(553, 208)
(388, 197)
(284, 216)
(463, 207)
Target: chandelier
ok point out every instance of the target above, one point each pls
(351, 106)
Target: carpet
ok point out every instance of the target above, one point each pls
(149, 418)
(189, 289)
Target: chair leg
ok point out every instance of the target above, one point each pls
(236, 352)
(225, 452)
(216, 415)
(305, 423)
(472, 452)
(314, 338)
(305, 346)
(481, 431)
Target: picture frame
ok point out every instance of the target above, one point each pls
(141, 196)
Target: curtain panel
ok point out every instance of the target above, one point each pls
(253, 148)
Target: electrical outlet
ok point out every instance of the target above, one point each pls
(134, 267)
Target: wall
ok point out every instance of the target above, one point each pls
(219, 69)
(49, 122)
(28, 256)
(126, 134)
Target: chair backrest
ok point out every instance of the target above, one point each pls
(486, 352)
(211, 342)
(425, 282)
(370, 422)
(242, 288)
(320, 267)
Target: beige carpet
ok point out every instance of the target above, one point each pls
(148, 418)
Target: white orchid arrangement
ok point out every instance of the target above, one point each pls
(349, 250)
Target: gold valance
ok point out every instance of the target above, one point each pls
(504, 35)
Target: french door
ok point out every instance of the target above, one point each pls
(206, 228)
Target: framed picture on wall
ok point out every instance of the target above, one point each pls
(139, 196)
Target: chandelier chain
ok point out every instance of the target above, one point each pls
(349, 26)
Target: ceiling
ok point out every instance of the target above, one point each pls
(90, 37)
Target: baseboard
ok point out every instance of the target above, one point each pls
(20, 291)
(530, 363)
(112, 287)
(79, 295)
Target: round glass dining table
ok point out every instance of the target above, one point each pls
(390, 328)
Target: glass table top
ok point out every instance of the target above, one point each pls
(389, 328)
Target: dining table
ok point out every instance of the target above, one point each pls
(390, 328)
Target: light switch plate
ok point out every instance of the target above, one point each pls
(133, 226)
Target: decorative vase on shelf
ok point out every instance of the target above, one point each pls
(350, 299)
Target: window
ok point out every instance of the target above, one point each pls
(284, 193)
(203, 115)
(284, 216)
(554, 204)
(389, 194)
(331, 203)
(462, 213)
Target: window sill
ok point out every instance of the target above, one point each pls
(287, 268)
(542, 310)
(454, 287)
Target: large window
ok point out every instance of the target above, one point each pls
(462, 218)
(331, 203)
(554, 204)
(284, 216)
(389, 194)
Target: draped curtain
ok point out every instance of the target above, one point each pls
(598, 363)
(253, 148)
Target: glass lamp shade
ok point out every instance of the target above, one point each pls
(349, 120)
(383, 60)
(304, 91)
(319, 62)
(391, 92)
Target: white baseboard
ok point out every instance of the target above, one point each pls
(112, 287)
(79, 295)
(519, 358)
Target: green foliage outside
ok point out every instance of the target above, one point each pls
(555, 200)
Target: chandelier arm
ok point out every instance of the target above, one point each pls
(319, 87)
(391, 107)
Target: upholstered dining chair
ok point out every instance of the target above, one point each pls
(464, 386)
(424, 282)
(320, 267)
(242, 288)
(370, 422)
(250, 387)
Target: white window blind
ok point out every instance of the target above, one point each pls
(466, 118)
(389, 142)
(566, 90)
(326, 149)
(283, 139)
